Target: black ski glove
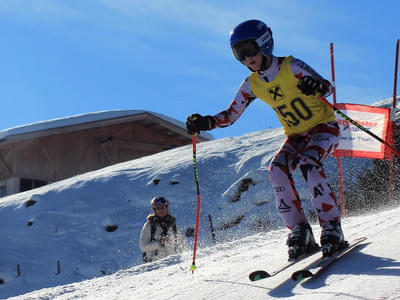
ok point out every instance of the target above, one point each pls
(195, 123)
(309, 85)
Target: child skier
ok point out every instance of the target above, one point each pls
(160, 236)
(291, 88)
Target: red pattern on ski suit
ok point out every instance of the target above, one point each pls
(306, 151)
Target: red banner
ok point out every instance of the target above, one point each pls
(356, 143)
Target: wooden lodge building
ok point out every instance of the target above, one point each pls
(36, 154)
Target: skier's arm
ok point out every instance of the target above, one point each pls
(243, 98)
(309, 79)
(196, 122)
(145, 243)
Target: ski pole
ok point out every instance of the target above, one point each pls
(196, 177)
(358, 125)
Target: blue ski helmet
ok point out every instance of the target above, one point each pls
(253, 30)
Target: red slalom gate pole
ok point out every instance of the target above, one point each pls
(333, 74)
(393, 123)
(338, 158)
(196, 177)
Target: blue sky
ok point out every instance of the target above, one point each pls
(61, 58)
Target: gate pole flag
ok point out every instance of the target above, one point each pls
(366, 123)
(369, 119)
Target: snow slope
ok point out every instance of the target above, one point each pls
(66, 227)
(372, 271)
(88, 226)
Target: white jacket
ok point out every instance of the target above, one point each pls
(152, 249)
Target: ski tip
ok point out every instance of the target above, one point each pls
(300, 275)
(257, 275)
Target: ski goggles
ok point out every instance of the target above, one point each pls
(160, 206)
(159, 203)
(245, 48)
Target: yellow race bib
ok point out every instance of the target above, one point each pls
(296, 111)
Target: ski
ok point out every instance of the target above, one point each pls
(321, 263)
(261, 274)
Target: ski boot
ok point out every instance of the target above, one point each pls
(301, 241)
(332, 239)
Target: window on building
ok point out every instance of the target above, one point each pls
(3, 191)
(29, 184)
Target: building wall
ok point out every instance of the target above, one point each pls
(56, 157)
(10, 186)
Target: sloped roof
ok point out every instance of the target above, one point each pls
(35, 129)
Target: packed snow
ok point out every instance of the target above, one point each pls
(371, 271)
(78, 238)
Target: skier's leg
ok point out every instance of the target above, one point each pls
(323, 140)
(287, 199)
(323, 199)
(300, 239)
